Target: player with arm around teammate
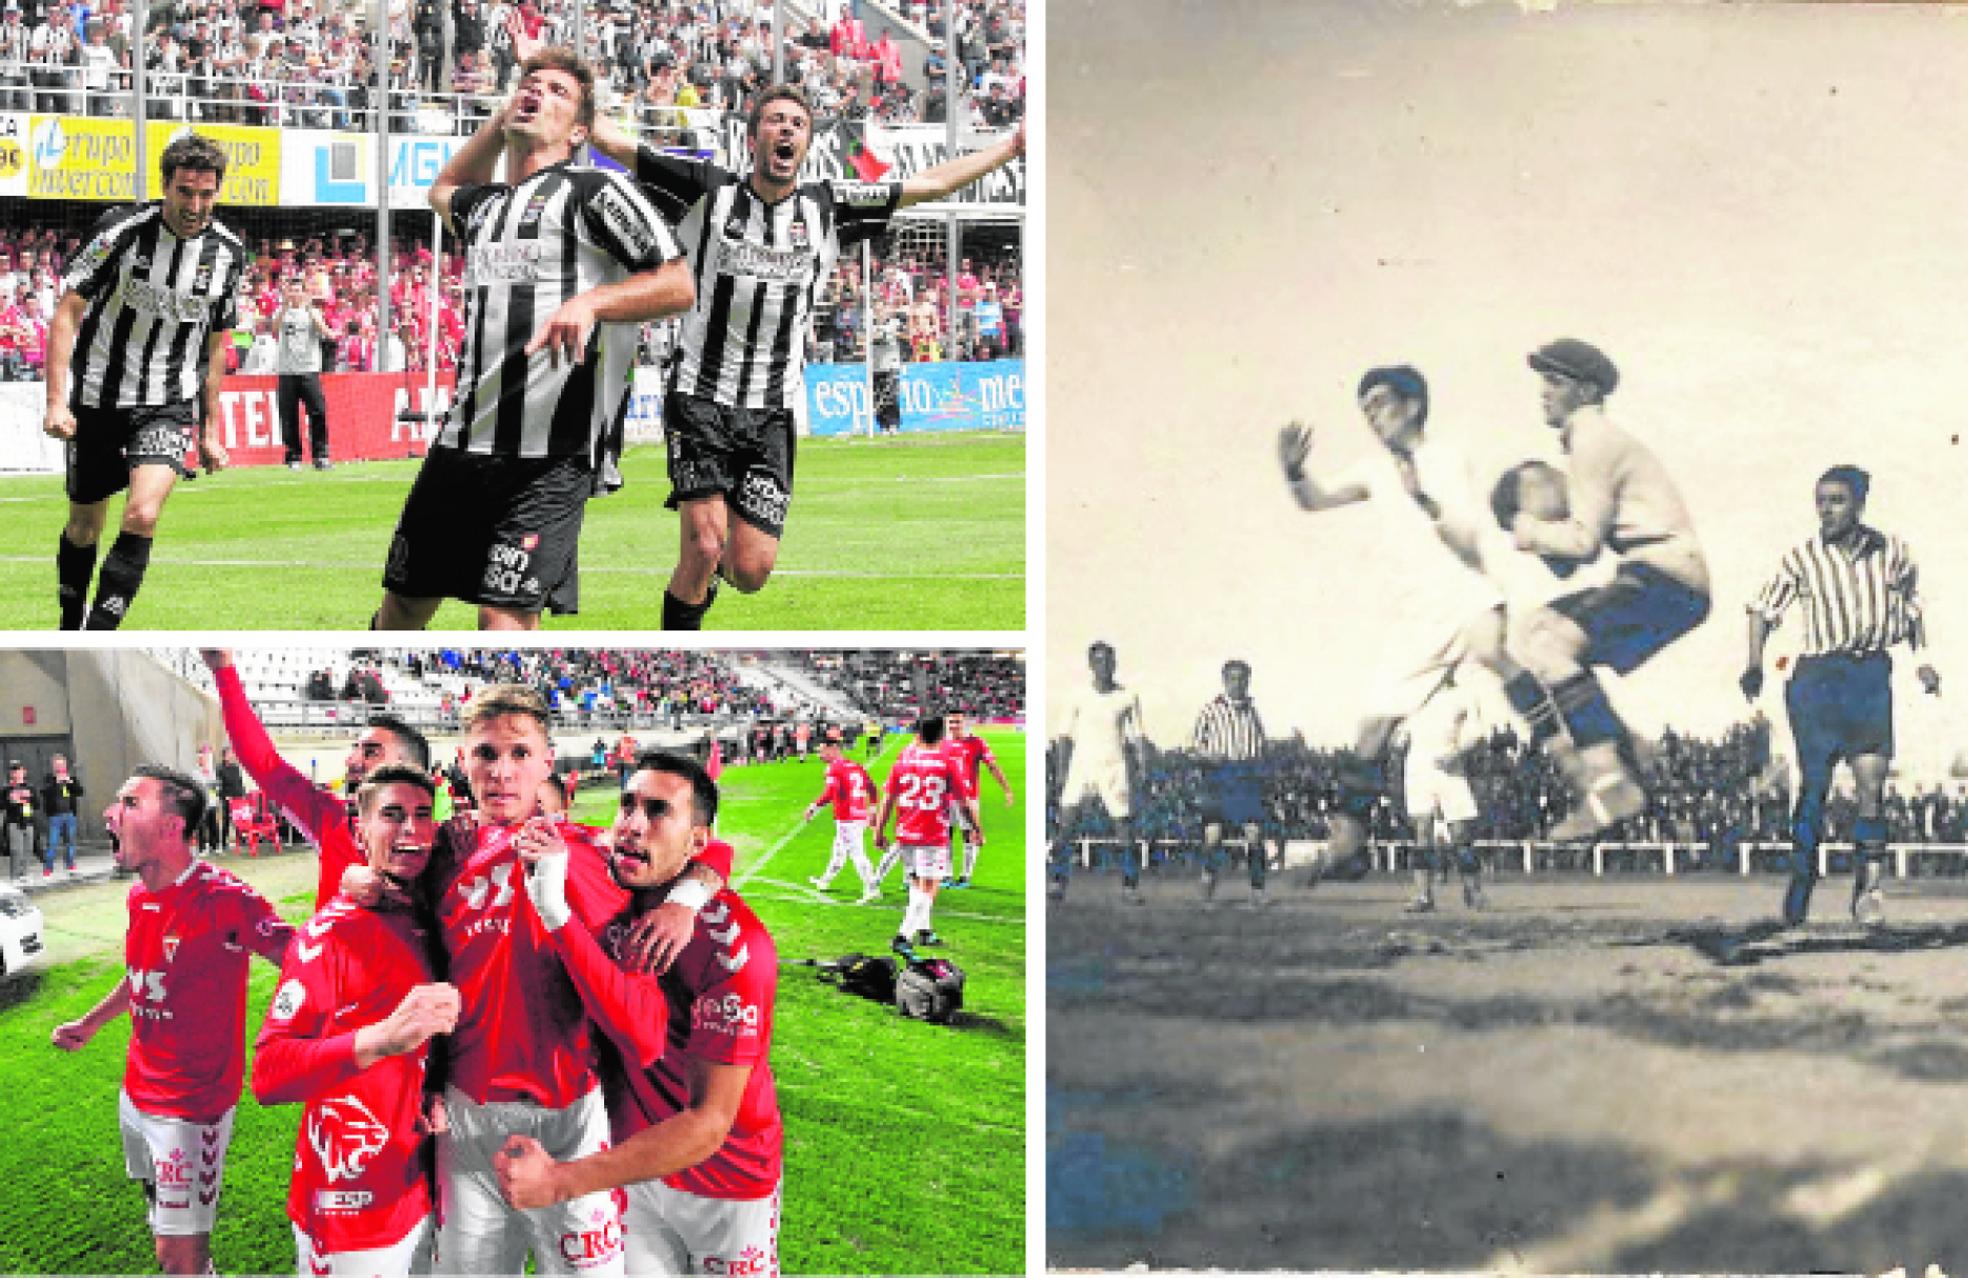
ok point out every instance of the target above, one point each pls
(697, 1134)
(349, 1035)
(852, 792)
(1103, 745)
(973, 753)
(1857, 589)
(192, 928)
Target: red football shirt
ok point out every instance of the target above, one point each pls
(924, 781)
(186, 952)
(971, 752)
(320, 813)
(720, 992)
(360, 1177)
(850, 789)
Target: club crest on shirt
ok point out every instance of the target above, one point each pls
(170, 948)
(202, 282)
(536, 206)
(800, 236)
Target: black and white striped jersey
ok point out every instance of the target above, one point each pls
(154, 302)
(758, 268)
(529, 248)
(1857, 597)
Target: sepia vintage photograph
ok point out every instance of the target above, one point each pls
(1505, 635)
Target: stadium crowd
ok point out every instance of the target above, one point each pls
(1719, 792)
(898, 687)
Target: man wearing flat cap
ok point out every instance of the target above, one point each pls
(1622, 501)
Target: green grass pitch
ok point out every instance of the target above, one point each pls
(925, 532)
(905, 1142)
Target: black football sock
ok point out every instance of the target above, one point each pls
(74, 565)
(678, 615)
(122, 575)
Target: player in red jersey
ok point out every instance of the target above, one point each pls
(974, 753)
(349, 1034)
(192, 926)
(325, 817)
(925, 786)
(852, 792)
(521, 1056)
(697, 1134)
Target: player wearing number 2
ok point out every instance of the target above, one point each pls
(925, 783)
(851, 790)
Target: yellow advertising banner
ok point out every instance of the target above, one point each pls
(73, 157)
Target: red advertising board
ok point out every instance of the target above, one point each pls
(365, 416)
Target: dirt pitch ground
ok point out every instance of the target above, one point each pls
(1631, 1074)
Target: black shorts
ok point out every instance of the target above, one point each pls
(109, 443)
(1841, 706)
(1633, 616)
(1235, 796)
(744, 455)
(502, 531)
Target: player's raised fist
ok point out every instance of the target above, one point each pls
(71, 1035)
(363, 886)
(1751, 682)
(427, 1010)
(1294, 447)
(526, 1173)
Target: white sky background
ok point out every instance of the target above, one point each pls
(1760, 212)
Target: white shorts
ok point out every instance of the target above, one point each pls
(673, 1232)
(1104, 780)
(181, 1164)
(481, 1233)
(959, 819)
(1433, 791)
(927, 863)
(850, 837)
(1409, 676)
(409, 1255)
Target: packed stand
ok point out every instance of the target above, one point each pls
(900, 687)
(30, 284)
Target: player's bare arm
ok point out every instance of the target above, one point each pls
(529, 1177)
(211, 448)
(649, 295)
(1294, 451)
(1930, 678)
(882, 813)
(991, 765)
(471, 165)
(609, 138)
(67, 319)
(426, 1011)
(72, 1035)
(1751, 680)
(955, 174)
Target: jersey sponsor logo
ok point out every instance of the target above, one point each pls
(620, 215)
(731, 1016)
(763, 495)
(505, 571)
(747, 1263)
(497, 887)
(147, 984)
(287, 1001)
(782, 266)
(506, 264)
(345, 1136)
(342, 1200)
(861, 195)
(155, 299)
(158, 441)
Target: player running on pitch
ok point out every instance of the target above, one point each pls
(924, 787)
(974, 754)
(192, 929)
(760, 244)
(697, 1134)
(852, 792)
(1102, 744)
(1857, 588)
(1622, 500)
(349, 1035)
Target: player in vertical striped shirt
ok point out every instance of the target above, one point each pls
(563, 260)
(1229, 738)
(761, 244)
(1857, 590)
(134, 369)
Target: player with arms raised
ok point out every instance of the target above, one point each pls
(1102, 743)
(348, 1034)
(922, 790)
(760, 244)
(697, 1134)
(852, 792)
(192, 928)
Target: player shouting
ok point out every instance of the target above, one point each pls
(923, 788)
(327, 819)
(852, 792)
(192, 927)
(348, 1033)
(697, 1134)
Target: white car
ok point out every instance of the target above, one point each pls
(20, 931)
